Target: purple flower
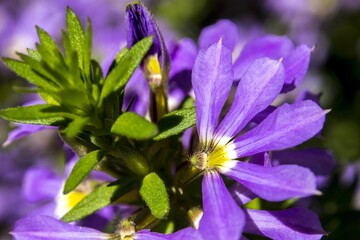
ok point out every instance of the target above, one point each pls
(295, 59)
(221, 147)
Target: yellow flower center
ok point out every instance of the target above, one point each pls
(216, 157)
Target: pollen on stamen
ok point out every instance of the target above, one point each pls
(199, 160)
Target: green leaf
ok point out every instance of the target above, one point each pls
(81, 169)
(46, 41)
(126, 66)
(34, 54)
(153, 191)
(133, 126)
(25, 71)
(87, 49)
(76, 34)
(176, 122)
(44, 114)
(99, 198)
(75, 126)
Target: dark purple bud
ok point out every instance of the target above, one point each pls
(140, 24)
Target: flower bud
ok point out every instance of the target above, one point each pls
(156, 63)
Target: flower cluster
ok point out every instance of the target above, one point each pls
(175, 140)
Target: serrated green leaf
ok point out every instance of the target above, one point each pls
(87, 48)
(43, 114)
(76, 34)
(41, 69)
(120, 75)
(154, 193)
(81, 169)
(46, 41)
(99, 198)
(176, 122)
(133, 126)
(25, 71)
(34, 54)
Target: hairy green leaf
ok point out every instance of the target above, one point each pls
(81, 169)
(153, 191)
(133, 126)
(44, 114)
(46, 41)
(76, 34)
(126, 66)
(176, 122)
(99, 198)
(25, 71)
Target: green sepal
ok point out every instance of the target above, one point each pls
(176, 122)
(81, 169)
(134, 126)
(44, 114)
(101, 197)
(153, 192)
(120, 75)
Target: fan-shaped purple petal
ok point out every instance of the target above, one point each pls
(296, 64)
(273, 183)
(44, 227)
(258, 88)
(212, 79)
(287, 126)
(222, 29)
(320, 161)
(241, 194)
(295, 223)
(222, 219)
(274, 47)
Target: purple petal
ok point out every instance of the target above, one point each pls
(241, 194)
(321, 162)
(212, 79)
(41, 184)
(262, 159)
(295, 223)
(147, 235)
(274, 47)
(186, 233)
(24, 130)
(258, 88)
(183, 56)
(263, 114)
(137, 89)
(273, 183)
(287, 126)
(296, 65)
(44, 227)
(223, 219)
(223, 29)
